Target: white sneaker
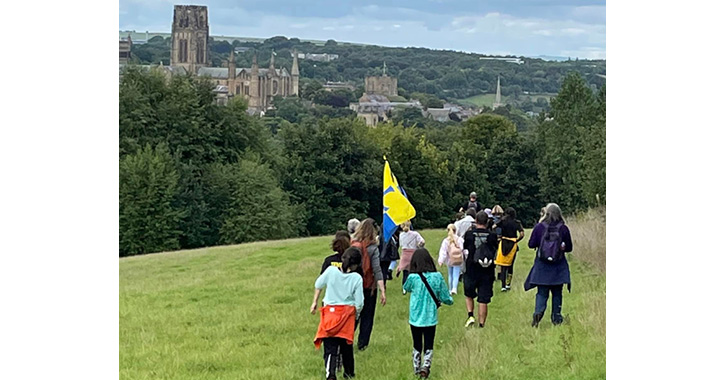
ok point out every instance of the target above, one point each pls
(453, 292)
(404, 292)
(503, 289)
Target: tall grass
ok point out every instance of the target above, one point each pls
(242, 312)
(589, 236)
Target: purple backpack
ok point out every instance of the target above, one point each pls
(550, 245)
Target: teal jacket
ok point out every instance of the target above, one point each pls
(423, 311)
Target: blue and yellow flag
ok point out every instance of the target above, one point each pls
(396, 206)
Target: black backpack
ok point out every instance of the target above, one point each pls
(483, 250)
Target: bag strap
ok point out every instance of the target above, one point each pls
(427, 285)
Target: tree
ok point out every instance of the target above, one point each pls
(148, 214)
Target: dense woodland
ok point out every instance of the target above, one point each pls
(194, 173)
(448, 75)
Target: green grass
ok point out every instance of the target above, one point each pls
(488, 99)
(242, 312)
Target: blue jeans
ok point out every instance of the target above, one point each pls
(542, 297)
(454, 274)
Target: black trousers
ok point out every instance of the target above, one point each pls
(330, 357)
(366, 317)
(421, 334)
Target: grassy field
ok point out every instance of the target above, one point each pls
(487, 99)
(242, 312)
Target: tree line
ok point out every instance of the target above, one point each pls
(193, 173)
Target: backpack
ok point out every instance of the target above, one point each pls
(473, 205)
(367, 267)
(550, 245)
(455, 254)
(483, 251)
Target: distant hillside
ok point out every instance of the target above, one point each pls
(445, 73)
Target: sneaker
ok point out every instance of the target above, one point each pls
(423, 373)
(508, 287)
(504, 289)
(470, 321)
(481, 325)
(453, 293)
(404, 292)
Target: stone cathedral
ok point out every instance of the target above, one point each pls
(190, 54)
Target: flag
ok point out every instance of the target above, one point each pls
(396, 206)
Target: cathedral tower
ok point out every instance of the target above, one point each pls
(190, 37)
(254, 92)
(295, 75)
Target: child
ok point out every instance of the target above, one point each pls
(339, 244)
(409, 241)
(343, 303)
(451, 253)
(427, 289)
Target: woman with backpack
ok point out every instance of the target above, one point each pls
(343, 302)
(451, 253)
(551, 239)
(409, 241)
(427, 291)
(365, 239)
(512, 232)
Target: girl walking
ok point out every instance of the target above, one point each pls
(427, 291)
(343, 303)
(451, 254)
(409, 241)
(512, 232)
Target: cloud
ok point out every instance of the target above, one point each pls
(530, 28)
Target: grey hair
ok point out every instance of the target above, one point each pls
(553, 214)
(352, 225)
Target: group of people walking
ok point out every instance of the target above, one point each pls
(479, 241)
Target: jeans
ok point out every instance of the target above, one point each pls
(542, 297)
(454, 274)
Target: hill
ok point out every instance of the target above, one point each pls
(445, 73)
(242, 312)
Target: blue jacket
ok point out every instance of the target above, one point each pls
(546, 273)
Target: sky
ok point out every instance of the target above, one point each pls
(564, 28)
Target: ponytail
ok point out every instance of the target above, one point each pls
(452, 234)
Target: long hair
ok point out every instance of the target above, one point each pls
(497, 210)
(422, 262)
(542, 214)
(366, 231)
(405, 226)
(341, 242)
(452, 234)
(350, 257)
(510, 213)
(553, 214)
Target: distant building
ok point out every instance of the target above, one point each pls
(317, 57)
(124, 49)
(374, 108)
(241, 49)
(381, 85)
(190, 54)
(517, 61)
(331, 86)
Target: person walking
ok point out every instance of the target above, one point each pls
(551, 238)
(389, 254)
(463, 225)
(340, 243)
(451, 254)
(497, 214)
(427, 291)
(472, 202)
(409, 241)
(479, 245)
(365, 238)
(343, 303)
(512, 232)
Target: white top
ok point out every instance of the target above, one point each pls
(443, 253)
(463, 225)
(411, 240)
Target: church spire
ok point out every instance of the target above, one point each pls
(295, 65)
(385, 67)
(271, 62)
(497, 103)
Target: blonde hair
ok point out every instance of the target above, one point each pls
(365, 232)
(497, 210)
(405, 226)
(452, 234)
